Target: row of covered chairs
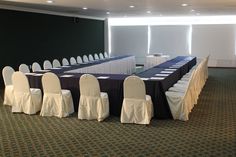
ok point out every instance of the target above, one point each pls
(184, 94)
(137, 107)
(56, 63)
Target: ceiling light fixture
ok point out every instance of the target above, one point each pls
(184, 5)
(49, 1)
(131, 6)
(192, 10)
(108, 13)
(85, 8)
(149, 12)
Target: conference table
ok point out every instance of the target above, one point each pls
(170, 71)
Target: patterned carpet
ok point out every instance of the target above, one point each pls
(211, 130)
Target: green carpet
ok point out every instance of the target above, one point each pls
(211, 130)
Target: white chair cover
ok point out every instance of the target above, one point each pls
(137, 107)
(65, 61)
(106, 55)
(93, 104)
(56, 102)
(72, 61)
(96, 56)
(79, 59)
(27, 100)
(7, 73)
(47, 64)
(56, 63)
(24, 68)
(85, 59)
(91, 58)
(36, 67)
(181, 102)
(101, 56)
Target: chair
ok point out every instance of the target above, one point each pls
(93, 104)
(24, 68)
(65, 62)
(181, 102)
(7, 73)
(79, 59)
(47, 64)
(56, 63)
(96, 56)
(36, 67)
(106, 55)
(101, 56)
(27, 100)
(56, 101)
(85, 59)
(137, 107)
(91, 58)
(72, 61)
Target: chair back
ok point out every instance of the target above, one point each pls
(85, 59)
(24, 68)
(106, 55)
(79, 59)
(96, 56)
(134, 88)
(101, 56)
(89, 85)
(7, 73)
(47, 64)
(72, 61)
(20, 82)
(56, 63)
(65, 61)
(91, 58)
(36, 67)
(51, 83)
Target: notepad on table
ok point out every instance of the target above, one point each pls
(29, 73)
(45, 70)
(66, 75)
(103, 77)
(55, 68)
(166, 72)
(144, 79)
(157, 78)
(170, 69)
(164, 75)
(38, 75)
(65, 66)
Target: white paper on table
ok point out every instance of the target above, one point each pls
(170, 69)
(45, 70)
(66, 75)
(65, 66)
(144, 79)
(103, 77)
(29, 73)
(167, 72)
(164, 75)
(56, 68)
(157, 78)
(38, 75)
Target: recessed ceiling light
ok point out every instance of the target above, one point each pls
(49, 1)
(108, 13)
(85, 8)
(184, 5)
(149, 12)
(192, 10)
(131, 6)
(197, 13)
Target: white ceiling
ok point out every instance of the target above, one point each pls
(120, 8)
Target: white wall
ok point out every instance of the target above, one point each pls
(218, 40)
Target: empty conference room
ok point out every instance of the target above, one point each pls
(118, 78)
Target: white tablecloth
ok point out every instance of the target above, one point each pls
(152, 60)
(120, 66)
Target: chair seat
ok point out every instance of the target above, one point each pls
(29, 103)
(94, 107)
(137, 111)
(59, 105)
(8, 95)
